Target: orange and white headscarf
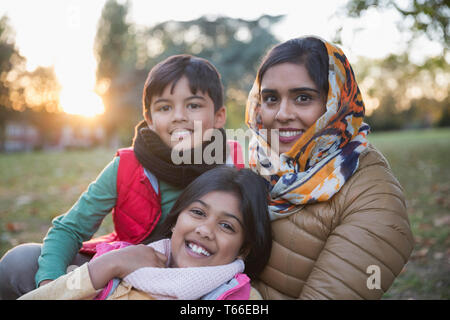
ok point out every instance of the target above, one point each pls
(325, 156)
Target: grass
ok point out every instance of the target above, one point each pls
(36, 187)
(421, 162)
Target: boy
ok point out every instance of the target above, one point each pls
(140, 184)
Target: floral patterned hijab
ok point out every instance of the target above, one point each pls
(325, 156)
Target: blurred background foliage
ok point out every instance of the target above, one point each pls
(398, 93)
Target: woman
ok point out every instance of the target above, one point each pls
(339, 222)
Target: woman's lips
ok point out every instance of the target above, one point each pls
(289, 135)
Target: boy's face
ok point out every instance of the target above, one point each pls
(173, 115)
(209, 232)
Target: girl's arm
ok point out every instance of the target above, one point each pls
(84, 282)
(119, 263)
(69, 230)
(75, 285)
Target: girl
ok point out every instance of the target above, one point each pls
(337, 211)
(218, 229)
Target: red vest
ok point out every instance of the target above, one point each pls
(138, 206)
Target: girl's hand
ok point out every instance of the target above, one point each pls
(120, 263)
(131, 258)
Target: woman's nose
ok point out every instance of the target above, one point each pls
(284, 113)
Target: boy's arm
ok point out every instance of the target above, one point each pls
(69, 230)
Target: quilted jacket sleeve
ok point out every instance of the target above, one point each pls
(75, 285)
(371, 239)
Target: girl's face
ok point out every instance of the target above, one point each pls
(208, 232)
(290, 102)
(175, 115)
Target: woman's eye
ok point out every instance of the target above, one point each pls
(269, 99)
(303, 98)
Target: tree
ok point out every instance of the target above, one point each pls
(11, 62)
(430, 17)
(115, 49)
(403, 94)
(397, 84)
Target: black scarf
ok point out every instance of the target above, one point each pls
(155, 156)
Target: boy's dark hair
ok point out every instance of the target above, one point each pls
(201, 74)
(252, 192)
(308, 51)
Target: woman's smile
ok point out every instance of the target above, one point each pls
(288, 135)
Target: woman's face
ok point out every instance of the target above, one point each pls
(209, 232)
(290, 103)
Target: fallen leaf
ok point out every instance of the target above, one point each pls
(420, 253)
(23, 200)
(441, 221)
(15, 226)
(34, 211)
(425, 226)
(438, 255)
(429, 242)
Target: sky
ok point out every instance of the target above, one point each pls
(61, 32)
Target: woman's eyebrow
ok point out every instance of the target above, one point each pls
(268, 91)
(294, 90)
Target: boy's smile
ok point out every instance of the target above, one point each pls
(176, 114)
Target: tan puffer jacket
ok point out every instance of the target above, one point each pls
(323, 251)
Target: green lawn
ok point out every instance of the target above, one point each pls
(421, 162)
(36, 187)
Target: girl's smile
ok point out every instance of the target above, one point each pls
(197, 250)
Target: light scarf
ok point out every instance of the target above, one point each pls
(325, 156)
(176, 283)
